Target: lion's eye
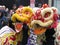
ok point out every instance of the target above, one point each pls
(47, 14)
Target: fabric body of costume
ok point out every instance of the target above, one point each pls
(37, 35)
(23, 15)
(52, 28)
(32, 38)
(7, 36)
(44, 22)
(35, 39)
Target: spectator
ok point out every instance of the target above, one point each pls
(3, 19)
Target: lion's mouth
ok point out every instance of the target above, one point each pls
(38, 23)
(39, 30)
(39, 26)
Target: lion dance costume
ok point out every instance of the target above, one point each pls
(42, 26)
(23, 15)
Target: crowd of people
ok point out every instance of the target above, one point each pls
(7, 13)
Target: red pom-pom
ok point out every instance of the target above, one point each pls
(38, 12)
(35, 17)
(45, 5)
(55, 17)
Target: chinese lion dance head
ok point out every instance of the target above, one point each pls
(45, 17)
(22, 15)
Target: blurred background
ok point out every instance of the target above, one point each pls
(10, 4)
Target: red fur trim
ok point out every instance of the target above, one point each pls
(38, 15)
(13, 38)
(55, 17)
(6, 41)
(54, 25)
